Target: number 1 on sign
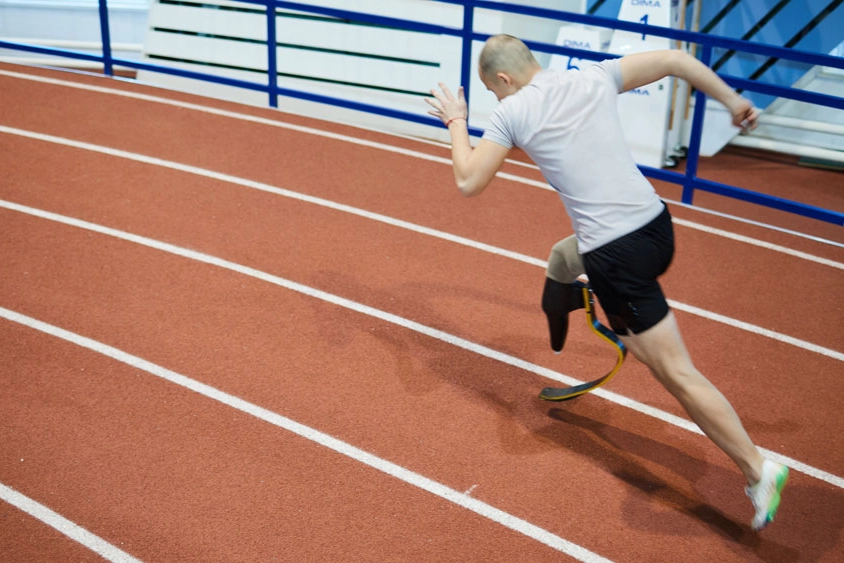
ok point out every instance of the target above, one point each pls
(644, 21)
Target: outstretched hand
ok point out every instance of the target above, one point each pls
(744, 114)
(445, 106)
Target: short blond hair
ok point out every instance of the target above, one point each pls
(505, 53)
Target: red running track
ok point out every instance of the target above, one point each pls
(200, 366)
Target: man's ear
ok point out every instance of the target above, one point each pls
(504, 78)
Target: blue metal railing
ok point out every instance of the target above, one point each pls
(688, 180)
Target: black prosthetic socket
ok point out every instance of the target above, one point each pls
(558, 299)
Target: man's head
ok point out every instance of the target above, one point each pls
(505, 65)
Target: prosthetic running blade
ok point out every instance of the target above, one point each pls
(565, 393)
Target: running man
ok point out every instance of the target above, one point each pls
(568, 123)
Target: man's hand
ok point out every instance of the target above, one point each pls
(474, 168)
(744, 114)
(445, 106)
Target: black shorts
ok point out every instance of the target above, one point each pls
(623, 275)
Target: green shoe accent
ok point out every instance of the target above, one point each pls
(767, 493)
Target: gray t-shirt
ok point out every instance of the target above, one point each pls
(567, 121)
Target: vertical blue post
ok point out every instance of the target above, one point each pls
(272, 64)
(466, 56)
(106, 38)
(697, 133)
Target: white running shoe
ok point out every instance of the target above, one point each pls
(765, 495)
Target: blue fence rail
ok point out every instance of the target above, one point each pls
(688, 180)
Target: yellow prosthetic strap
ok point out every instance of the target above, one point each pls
(565, 393)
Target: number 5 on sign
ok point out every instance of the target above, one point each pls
(579, 37)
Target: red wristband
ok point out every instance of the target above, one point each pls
(447, 123)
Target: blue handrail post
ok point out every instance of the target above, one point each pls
(697, 133)
(466, 55)
(106, 38)
(272, 63)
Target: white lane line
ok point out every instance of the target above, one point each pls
(63, 525)
(229, 114)
(274, 190)
(712, 212)
(401, 224)
(759, 243)
(713, 230)
(425, 156)
(399, 321)
(741, 325)
(415, 479)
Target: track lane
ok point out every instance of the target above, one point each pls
(267, 229)
(821, 295)
(303, 377)
(506, 409)
(323, 130)
(25, 538)
(445, 303)
(512, 216)
(825, 292)
(171, 475)
(762, 174)
(769, 170)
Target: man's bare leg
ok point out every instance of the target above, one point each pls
(661, 348)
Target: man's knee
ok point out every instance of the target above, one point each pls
(565, 265)
(662, 349)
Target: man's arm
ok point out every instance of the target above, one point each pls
(643, 68)
(474, 168)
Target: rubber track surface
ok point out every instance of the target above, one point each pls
(168, 474)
